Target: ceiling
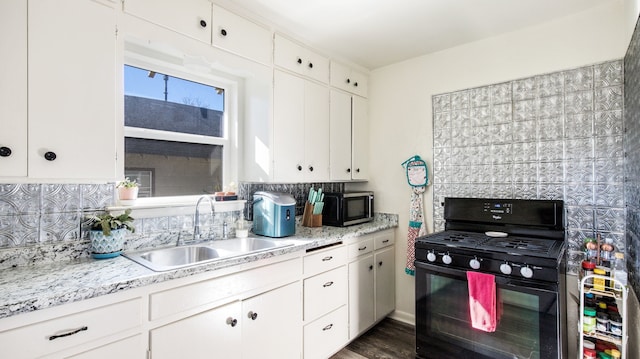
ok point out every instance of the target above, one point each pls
(375, 33)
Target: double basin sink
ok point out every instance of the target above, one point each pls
(164, 259)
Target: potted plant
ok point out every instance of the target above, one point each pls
(127, 190)
(108, 233)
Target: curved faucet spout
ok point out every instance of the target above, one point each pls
(196, 222)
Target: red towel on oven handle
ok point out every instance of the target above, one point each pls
(482, 301)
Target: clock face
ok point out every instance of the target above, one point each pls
(417, 174)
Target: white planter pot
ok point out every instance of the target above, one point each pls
(107, 246)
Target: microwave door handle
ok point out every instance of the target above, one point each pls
(370, 206)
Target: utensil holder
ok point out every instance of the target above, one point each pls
(309, 219)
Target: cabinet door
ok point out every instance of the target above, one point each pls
(72, 77)
(288, 127)
(348, 79)
(316, 153)
(272, 324)
(191, 17)
(360, 138)
(13, 88)
(385, 282)
(300, 60)
(361, 295)
(240, 36)
(340, 136)
(301, 129)
(212, 333)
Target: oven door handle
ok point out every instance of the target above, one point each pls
(461, 274)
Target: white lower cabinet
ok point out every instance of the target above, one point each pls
(298, 305)
(371, 281)
(384, 262)
(361, 295)
(264, 326)
(247, 314)
(272, 324)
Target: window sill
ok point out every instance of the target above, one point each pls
(174, 206)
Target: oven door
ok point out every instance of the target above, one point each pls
(530, 322)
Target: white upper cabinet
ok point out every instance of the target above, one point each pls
(13, 88)
(240, 36)
(300, 129)
(360, 138)
(188, 17)
(348, 79)
(60, 81)
(300, 60)
(349, 137)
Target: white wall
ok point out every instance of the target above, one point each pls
(400, 99)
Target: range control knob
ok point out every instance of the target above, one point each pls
(505, 268)
(446, 259)
(431, 257)
(474, 263)
(526, 272)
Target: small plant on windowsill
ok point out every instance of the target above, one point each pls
(108, 233)
(127, 191)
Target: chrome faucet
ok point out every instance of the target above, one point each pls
(196, 222)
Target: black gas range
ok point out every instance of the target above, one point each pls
(521, 243)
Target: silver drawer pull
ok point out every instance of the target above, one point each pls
(328, 327)
(76, 331)
(328, 284)
(363, 248)
(328, 258)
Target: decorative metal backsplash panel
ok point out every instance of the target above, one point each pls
(552, 136)
(44, 222)
(632, 160)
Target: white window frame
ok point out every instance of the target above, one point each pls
(229, 140)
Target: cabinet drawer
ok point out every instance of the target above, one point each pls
(240, 36)
(327, 335)
(325, 260)
(361, 248)
(325, 292)
(384, 239)
(40, 338)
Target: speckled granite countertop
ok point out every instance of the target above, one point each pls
(30, 288)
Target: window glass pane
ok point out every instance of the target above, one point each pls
(162, 164)
(162, 102)
(166, 168)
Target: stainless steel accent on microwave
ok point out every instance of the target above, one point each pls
(347, 208)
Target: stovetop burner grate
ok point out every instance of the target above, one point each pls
(480, 241)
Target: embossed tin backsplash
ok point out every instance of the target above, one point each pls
(553, 136)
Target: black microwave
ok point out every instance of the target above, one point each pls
(347, 208)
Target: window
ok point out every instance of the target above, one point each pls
(176, 133)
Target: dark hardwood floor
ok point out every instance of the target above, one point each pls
(389, 339)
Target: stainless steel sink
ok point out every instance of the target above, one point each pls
(164, 259)
(246, 245)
